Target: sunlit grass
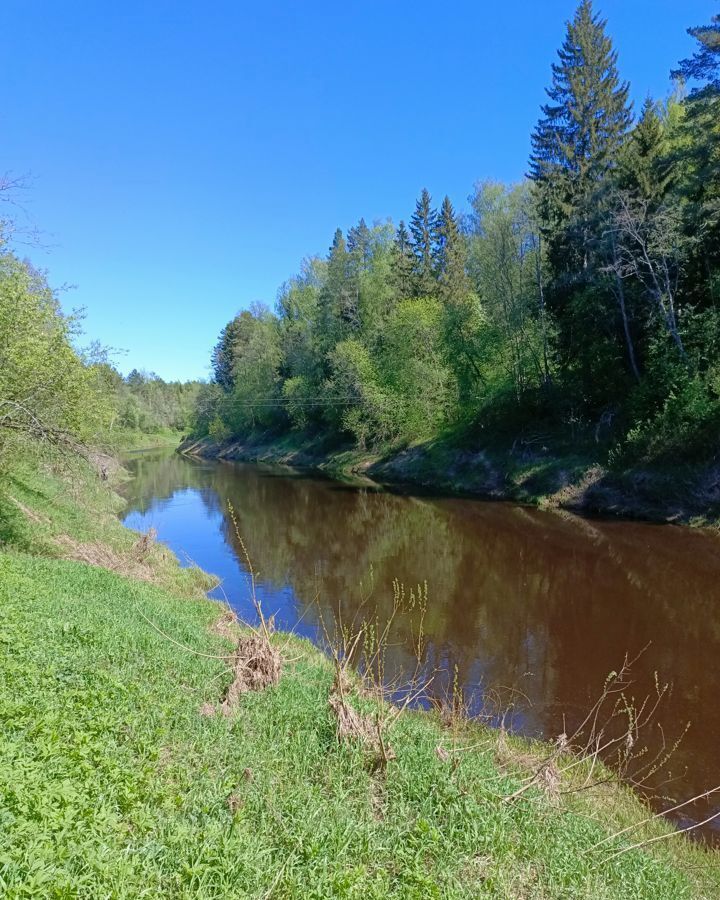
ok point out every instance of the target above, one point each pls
(114, 784)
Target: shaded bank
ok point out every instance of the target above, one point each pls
(687, 494)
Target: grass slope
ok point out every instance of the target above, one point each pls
(112, 783)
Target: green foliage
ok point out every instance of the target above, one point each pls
(360, 405)
(582, 297)
(146, 403)
(44, 385)
(415, 369)
(54, 394)
(578, 140)
(424, 230)
(254, 398)
(506, 264)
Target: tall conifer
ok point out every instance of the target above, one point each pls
(578, 139)
(358, 245)
(646, 167)
(450, 253)
(702, 150)
(423, 227)
(403, 263)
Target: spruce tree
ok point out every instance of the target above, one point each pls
(402, 263)
(646, 169)
(577, 141)
(359, 245)
(460, 304)
(450, 256)
(223, 355)
(701, 153)
(337, 260)
(338, 297)
(423, 228)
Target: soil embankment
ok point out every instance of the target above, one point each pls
(682, 495)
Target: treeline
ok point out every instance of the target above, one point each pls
(54, 394)
(142, 401)
(583, 303)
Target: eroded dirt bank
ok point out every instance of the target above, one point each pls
(685, 495)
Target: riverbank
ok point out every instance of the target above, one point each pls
(126, 441)
(122, 777)
(530, 475)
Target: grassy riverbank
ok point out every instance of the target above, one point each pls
(117, 781)
(124, 440)
(562, 477)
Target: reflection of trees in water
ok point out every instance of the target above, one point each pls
(516, 598)
(157, 477)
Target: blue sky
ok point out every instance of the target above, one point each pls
(186, 157)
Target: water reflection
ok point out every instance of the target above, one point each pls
(517, 598)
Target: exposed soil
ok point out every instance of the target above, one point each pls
(690, 495)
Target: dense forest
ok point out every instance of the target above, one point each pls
(582, 304)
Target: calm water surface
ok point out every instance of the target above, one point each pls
(534, 608)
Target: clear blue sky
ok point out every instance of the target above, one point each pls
(187, 156)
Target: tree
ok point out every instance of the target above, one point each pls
(413, 369)
(359, 240)
(461, 309)
(704, 65)
(403, 262)
(255, 398)
(339, 296)
(504, 262)
(576, 143)
(646, 169)
(423, 228)
(450, 252)
(45, 390)
(701, 156)
(223, 354)
(650, 251)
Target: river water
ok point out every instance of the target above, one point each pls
(527, 611)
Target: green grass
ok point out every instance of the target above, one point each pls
(112, 784)
(42, 505)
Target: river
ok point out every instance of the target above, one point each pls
(527, 611)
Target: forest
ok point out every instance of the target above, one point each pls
(580, 305)
(226, 680)
(57, 394)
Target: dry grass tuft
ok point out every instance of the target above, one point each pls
(442, 754)
(356, 727)
(143, 546)
(96, 553)
(256, 665)
(549, 780)
(235, 803)
(227, 626)
(352, 725)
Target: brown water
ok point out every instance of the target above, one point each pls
(534, 607)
